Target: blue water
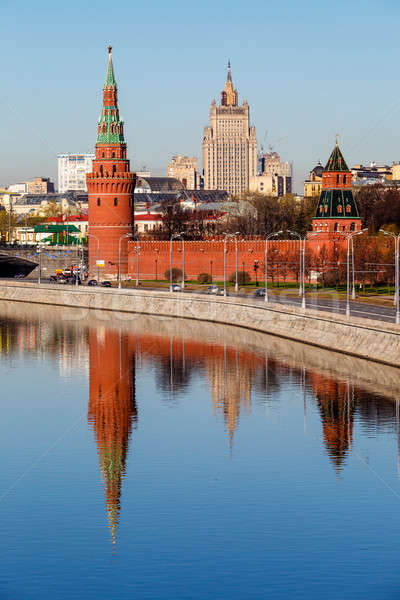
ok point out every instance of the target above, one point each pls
(140, 466)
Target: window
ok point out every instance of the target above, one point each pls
(336, 226)
(114, 169)
(115, 201)
(98, 201)
(344, 179)
(352, 226)
(337, 179)
(113, 154)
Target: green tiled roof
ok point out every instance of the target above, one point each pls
(111, 126)
(337, 204)
(336, 161)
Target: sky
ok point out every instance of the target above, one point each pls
(309, 70)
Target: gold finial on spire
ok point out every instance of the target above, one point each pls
(337, 136)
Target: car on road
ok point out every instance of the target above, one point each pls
(93, 282)
(105, 284)
(260, 293)
(176, 287)
(215, 289)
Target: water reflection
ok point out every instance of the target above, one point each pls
(112, 409)
(235, 374)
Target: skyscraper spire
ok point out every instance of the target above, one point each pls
(229, 76)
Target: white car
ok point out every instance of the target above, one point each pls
(176, 287)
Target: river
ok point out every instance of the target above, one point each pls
(154, 458)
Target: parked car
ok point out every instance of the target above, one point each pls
(93, 282)
(260, 293)
(215, 289)
(176, 287)
(19, 276)
(105, 284)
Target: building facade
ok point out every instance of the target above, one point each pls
(72, 170)
(313, 185)
(185, 169)
(337, 211)
(229, 144)
(110, 187)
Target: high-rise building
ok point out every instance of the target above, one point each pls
(185, 169)
(72, 169)
(337, 210)
(229, 144)
(110, 187)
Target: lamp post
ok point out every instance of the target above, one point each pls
(176, 236)
(137, 250)
(350, 239)
(98, 253)
(227, 236)
(271, 235)
(396, 269)
(39, 251)
(126, 235)
(300, 258)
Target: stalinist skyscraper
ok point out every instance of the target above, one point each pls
(229, 143)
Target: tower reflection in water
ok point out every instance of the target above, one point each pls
(236, 377)
(112, 410)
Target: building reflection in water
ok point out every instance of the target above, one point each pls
(234, 375)
(112, 410)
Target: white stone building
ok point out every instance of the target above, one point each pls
(229, 144)
(72, 169)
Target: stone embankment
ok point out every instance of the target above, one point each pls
(368, 339)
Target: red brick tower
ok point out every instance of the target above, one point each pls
(337, 210)
(110, 186)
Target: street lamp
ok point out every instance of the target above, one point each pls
(300, 258)
(126, 235)
(397, 269)
(98, 253)
(271, 235)
(227, 236)
(137, 250)
(350, 239)
(39, 251)
(176, 236)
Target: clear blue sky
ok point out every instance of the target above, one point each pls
(308, 69)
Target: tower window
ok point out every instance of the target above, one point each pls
(114, 169)
(337, 179)
(336, 226)
(98, 201)
(113, 154)
(115, 201)
(352, 226)
(344, 179)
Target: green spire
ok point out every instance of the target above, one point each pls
(110, 77)
(336, 161)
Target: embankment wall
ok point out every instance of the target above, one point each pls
(364, 338)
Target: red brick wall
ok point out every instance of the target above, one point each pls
(154, 257)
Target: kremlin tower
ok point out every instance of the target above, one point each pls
(110, 186)
(337, 210)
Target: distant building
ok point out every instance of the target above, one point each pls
(274, 176)
(229, 144)
(271, 185)
(72, 169)
(18, 188)
(367, 175)
(40, 185)
(185, 169)
(313, 185)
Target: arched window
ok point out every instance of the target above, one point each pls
(113, 154)
(102, 155)
(98, 201)
(336, 226)
(352, 226)
(348, 208)
(115, 201)
(114, 169)
(344, 179)
(339, 209)
(337, 179)
(101, 170)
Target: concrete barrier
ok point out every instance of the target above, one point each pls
(373, 340)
